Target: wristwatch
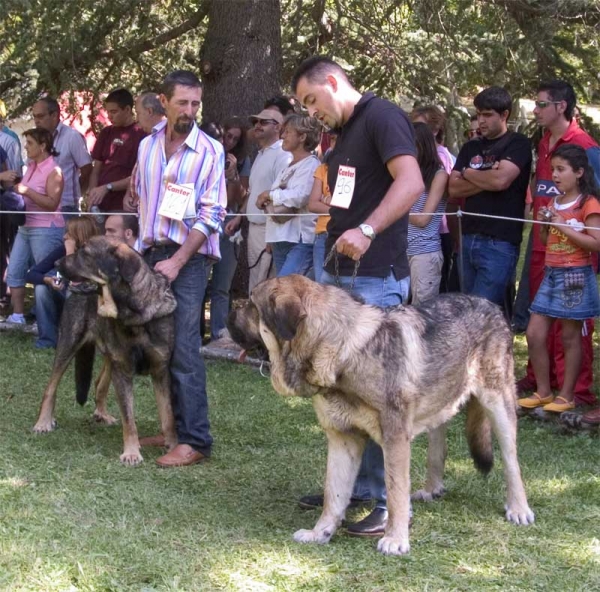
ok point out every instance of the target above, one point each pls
(109, 186)
(367, 230)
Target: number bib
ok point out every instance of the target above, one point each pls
(178, 202)
(344, 187)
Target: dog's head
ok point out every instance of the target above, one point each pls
(275, 309)
(140, 294)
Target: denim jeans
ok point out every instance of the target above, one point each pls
(381, 292)
(319, 255)
(31, 246)
(520, 318)
(292, 258)
(220, 286)
(48, 308)
(488, 266)
(188, 376)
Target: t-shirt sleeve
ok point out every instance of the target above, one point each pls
(591, 206)
(245, 168)
(593, 155)
(391, 132)
(462, 160)
(98, 151)
(518, 151)
(79, 151)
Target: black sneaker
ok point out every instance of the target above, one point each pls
(310, 502)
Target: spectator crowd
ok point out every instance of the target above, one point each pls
(339, 185)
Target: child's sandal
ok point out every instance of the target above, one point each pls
(535, 400)
(559, 405)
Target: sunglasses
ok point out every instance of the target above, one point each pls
(544, 104)
(263, 121)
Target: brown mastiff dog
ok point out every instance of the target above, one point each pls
(389, 375)
(129, 318)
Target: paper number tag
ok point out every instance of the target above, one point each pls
(344, 187)
(176, 201)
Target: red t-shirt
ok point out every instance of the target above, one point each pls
(545, 190)
(560, 250)
(117, 149)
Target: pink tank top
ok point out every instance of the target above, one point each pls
(35, 178)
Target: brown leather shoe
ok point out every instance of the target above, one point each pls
(591, 417)
(183, 455)
(153, 441)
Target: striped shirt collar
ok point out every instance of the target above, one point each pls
(195, 139)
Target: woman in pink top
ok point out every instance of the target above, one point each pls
(41, 188)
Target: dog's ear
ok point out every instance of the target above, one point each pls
(283, 315)
(129, 262)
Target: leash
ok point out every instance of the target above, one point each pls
(333, 253)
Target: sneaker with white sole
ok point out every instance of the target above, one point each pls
(16, 319)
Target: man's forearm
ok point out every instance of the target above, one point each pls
(459, 188)
(398, 200)
(190, 247)
(490, 180)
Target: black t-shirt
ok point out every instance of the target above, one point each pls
(376, 132)
(482, 154)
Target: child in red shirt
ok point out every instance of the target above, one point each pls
(568, 291)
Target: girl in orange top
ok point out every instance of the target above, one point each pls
(569, 291)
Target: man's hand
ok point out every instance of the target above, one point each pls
(353, 243)
(130, 203)
(49, 281)
(262, 200)
(169, 268)
(96, 195)
(232, 226)
(9, 176)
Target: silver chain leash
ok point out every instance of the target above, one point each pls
(333, 253)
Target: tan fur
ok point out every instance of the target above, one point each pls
(388, 375)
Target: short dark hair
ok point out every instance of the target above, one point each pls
(51, 104)
(281, 103)
(42, 136)
(130, 222)
(316, 69)
(495, 98)
(150, 100)
(179, 78)
(559, 90)
(120, 96)
(213, 129)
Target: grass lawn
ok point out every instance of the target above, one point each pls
(72, 518)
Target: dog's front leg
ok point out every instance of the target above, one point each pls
(436, 459)
(343, 461)
(101, 414)
(123, 383)
(396, 452)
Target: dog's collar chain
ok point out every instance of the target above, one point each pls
(333, 253)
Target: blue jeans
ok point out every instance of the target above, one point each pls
(31, 246)
(188, 376)
(319, 255)
(520, 318)
(382, 292)
(488, 266)
(220, 286)
(292, 257)
(48, 308)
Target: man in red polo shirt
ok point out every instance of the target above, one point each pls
(554, 112)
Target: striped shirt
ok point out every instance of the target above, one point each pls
(427, 239)
(200, 161)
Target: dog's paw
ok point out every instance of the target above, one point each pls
(520, 515)
(131, 459)
(43, 427)
(105, 418)
(312, 536)
(393, 546)
(424, 495)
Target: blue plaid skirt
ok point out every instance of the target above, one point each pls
(568, 293)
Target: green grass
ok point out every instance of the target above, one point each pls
(72, 518)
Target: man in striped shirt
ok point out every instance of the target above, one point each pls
(179, 237)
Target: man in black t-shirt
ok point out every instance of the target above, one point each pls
(374, 179)
(492, 173)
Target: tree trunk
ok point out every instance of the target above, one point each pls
(241, 57)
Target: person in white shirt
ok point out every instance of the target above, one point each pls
(291, 237)
(73, 157)
(270, 161)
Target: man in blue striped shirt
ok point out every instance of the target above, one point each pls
(179, 237)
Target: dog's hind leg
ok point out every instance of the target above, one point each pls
(501, 411)
(162, 391)
(101, 414)
(123, 383)
(343, 461)
(436, 459)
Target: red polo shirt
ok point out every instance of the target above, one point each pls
(545, 189)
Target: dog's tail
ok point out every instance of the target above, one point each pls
(479, 436)
(84, 368)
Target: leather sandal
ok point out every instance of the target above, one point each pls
(535, 400)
